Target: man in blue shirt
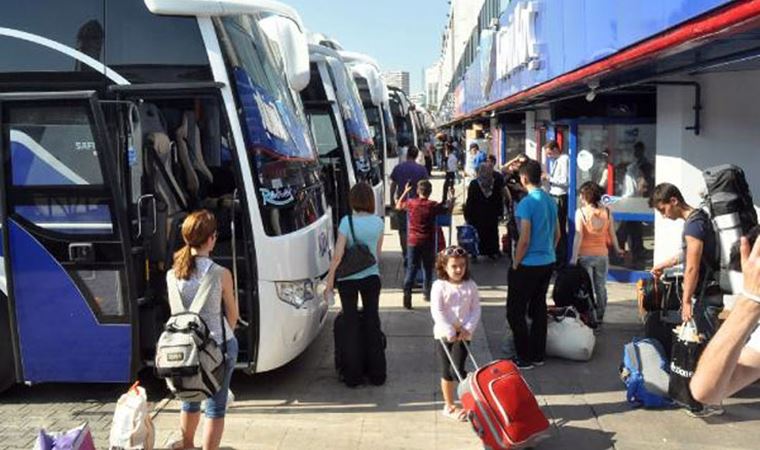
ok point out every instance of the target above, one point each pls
(532, 268)
(408, 172)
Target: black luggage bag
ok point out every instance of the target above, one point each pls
(573, 287)
(358, 355)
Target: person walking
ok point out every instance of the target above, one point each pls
(595, 230)
(532, 268)
(191, 264)
(362, 226)
(559, 181)
(408, 172)
(483, 208)
(421, 214)
(452, 167)
(455, 307)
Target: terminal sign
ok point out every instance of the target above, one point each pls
(516, 44)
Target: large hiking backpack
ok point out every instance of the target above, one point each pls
(573, 287)
(728, 200)
(186, 354)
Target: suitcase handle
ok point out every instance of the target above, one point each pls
(451, 359)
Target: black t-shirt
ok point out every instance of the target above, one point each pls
(699, 226)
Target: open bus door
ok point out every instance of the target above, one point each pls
(65, 240)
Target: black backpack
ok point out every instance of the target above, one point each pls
(573, 287)
(728, 201)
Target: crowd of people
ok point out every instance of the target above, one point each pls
(532, 202)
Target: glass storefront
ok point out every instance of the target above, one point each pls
(621, 159)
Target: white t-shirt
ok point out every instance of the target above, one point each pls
(452, 164)
(559, 178)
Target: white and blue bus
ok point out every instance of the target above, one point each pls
(117, 118)
(341, 132)
(375, 98)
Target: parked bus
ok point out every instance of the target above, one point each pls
(341, 133)
(117, 119)
(404, 120)
(375, 98)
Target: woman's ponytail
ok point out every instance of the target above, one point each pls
(184, 263)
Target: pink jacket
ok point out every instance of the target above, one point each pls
(454, 305)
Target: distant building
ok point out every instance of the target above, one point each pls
(399, 79)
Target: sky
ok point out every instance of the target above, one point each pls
(399, 34)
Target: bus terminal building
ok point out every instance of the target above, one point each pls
(598, 77)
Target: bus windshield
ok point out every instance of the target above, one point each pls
(390, 133)
(363, 151)
(285, 165)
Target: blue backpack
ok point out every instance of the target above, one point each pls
(645, 374)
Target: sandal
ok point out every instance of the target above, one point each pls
(454, 413)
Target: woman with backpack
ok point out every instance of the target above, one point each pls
(191, 264)
(594, 233)
(360, 234)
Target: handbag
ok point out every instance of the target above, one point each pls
(568, 337)
(687, 349)
(356, 258)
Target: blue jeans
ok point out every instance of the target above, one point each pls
(216, 405)
(420, 256)
(597, 268)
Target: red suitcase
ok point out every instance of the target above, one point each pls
(500, 405)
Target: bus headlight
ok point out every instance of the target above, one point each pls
(296, 293)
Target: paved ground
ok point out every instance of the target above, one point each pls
(303, 406)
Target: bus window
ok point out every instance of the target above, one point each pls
(52, 146)
(283, 160)
(324, 133)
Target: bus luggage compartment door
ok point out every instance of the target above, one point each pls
(64, 228)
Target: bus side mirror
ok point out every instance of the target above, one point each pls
(293, 47)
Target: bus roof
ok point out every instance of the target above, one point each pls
(222, 8)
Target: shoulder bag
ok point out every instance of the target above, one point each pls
(356, 257)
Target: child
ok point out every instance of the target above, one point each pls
(455, 306)
(421, 214)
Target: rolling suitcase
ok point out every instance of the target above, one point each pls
(357, 357)
(500, 406)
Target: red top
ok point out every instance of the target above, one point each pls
(421, 214)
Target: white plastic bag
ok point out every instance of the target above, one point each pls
(132, 428)
(568, 337)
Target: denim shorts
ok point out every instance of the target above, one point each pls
(216, 406)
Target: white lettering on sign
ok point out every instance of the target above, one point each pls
(516, 45)
(84, 145)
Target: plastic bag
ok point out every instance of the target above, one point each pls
(78, 438)
(132, 427)
(568, 337)
(687, 349)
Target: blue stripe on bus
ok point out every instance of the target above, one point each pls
(60, 338)
(29, 170)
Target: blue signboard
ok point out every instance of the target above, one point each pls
(539, 40)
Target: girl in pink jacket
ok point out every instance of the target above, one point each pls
(455, 306)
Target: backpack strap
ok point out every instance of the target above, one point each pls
(175, 299)
(211, 275)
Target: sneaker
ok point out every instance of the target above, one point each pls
(706, 411)
(539, 363)
(522, 365)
